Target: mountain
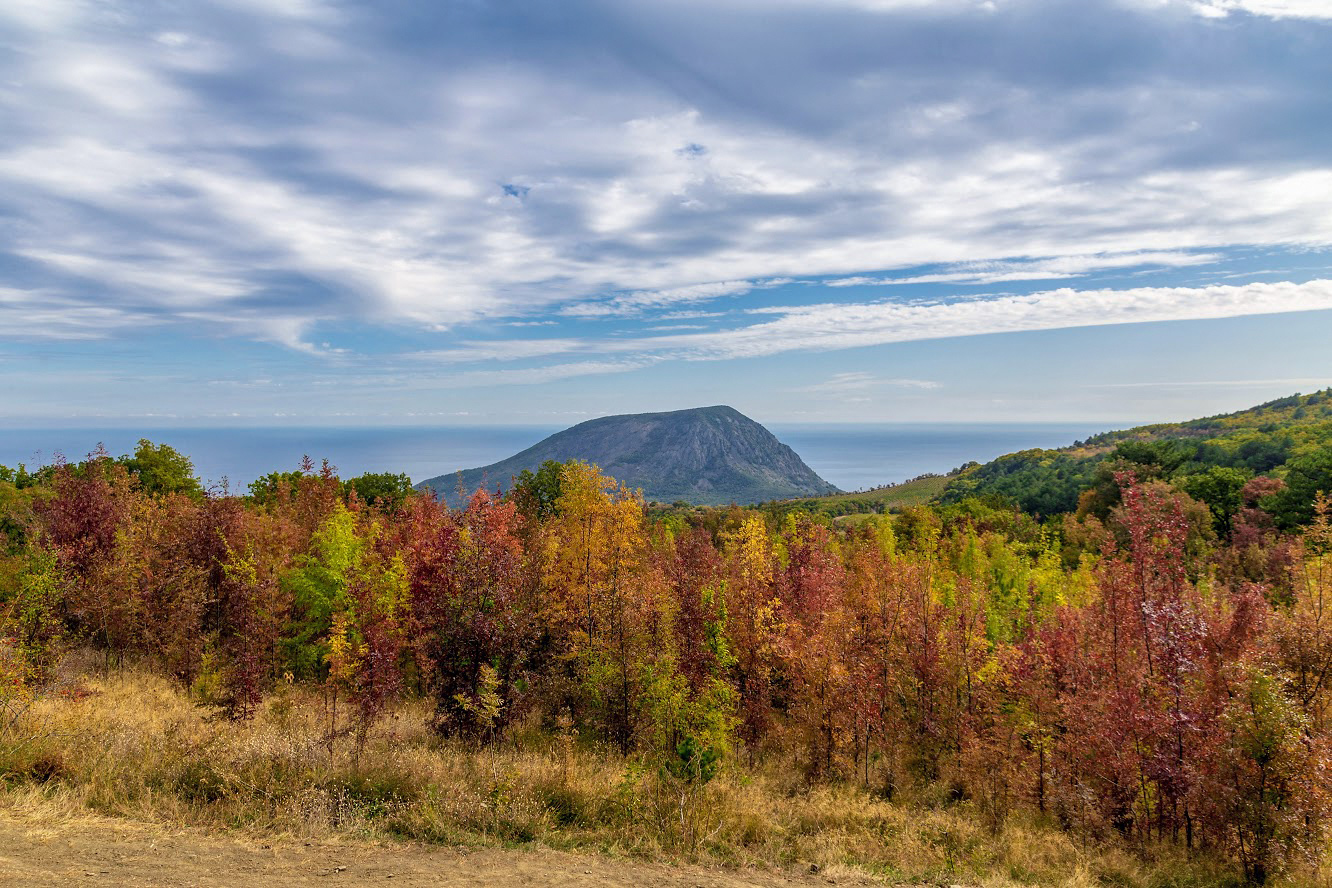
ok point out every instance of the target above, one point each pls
(708, 456)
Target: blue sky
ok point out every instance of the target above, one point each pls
(537, 211)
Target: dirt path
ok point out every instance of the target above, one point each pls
(38, 851)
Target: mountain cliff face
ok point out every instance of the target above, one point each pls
(708, 456)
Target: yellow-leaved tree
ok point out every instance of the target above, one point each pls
(757, 624)
(598, 580)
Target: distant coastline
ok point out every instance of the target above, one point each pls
(852, 456)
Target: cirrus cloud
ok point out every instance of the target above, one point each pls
(837, 326)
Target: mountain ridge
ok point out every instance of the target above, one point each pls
(703, 455)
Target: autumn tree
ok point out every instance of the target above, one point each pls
(82, 522)
(473, 618)
(597, 569)
(251, 550)
(690, 699)
(757, 622)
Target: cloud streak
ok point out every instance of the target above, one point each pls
(1031, 270)
(832, 326)
(1309, 9)
(857, 383)
(640, 301)
(839, 326)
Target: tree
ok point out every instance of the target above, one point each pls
(162, 470)
(1307, 475)
(367, 639)
(82, 523)
(537, 493)
(1266, 797)
(252, 607)
(385, 490)
(1302, 632)
(320, 589)
(757, 625)
(1220, 487)
(171, 584)
(823, 690)
(475, 628)
(596, 563)
(689, 697)
(32, 628)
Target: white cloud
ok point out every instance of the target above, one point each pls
(833, 326)
(1313, 9)
(41, 15)
(689, 315)
(841, 326)
(500, 350)
(537, 375)
(1040, 269)
(291, 9)
(884, 6)
(643, 300)
(45, 314)
(859, 382)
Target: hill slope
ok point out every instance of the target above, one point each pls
(890, 498)
(708, 456)
(1289, 438)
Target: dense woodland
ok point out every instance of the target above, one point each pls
(1212, 459)
(1145, 661)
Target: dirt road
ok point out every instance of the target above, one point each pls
(40, 851)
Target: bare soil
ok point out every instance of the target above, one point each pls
(37, 849)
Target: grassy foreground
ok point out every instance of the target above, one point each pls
(132, 744)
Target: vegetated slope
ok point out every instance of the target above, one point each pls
(1211, 458)
(707, 456)
(889, 498)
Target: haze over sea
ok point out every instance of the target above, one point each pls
(851, 456)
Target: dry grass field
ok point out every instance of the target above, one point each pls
(124, 777)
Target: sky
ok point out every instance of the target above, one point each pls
(539, 211)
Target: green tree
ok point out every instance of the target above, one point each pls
(537, 493)
(1263, 776)
(1219, 487)
(162, 470)
(1308, 475)
(384, 489)
(274, 485)
(320, 585)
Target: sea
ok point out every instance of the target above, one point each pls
(853, 457)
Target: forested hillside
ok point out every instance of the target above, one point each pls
(1213, 459)
(859, 504)
(1148, 676)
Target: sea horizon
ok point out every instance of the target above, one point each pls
(852, 456)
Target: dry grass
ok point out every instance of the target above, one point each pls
(133, 745)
